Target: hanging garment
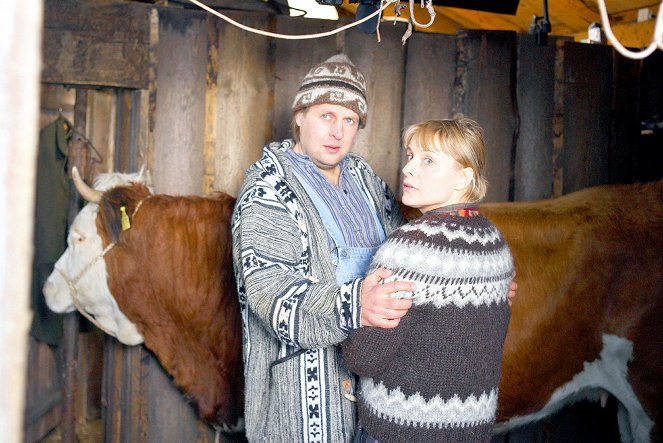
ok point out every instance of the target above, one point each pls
(50, 230)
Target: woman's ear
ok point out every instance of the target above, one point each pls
(465, 177)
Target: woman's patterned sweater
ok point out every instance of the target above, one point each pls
(435, 377)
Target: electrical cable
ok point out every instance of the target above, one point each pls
(657, 41)
(286, 36)
(431, 11)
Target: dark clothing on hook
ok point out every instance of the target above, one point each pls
(50, 230)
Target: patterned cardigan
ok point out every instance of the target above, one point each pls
(435, 376)
(294, 314)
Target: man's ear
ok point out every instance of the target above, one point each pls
(465, 177)
(298, 117)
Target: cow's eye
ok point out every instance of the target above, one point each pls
(77, 238)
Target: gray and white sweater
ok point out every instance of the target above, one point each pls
(294, 314)
(435, 377)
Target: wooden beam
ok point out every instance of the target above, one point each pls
(568, 17)
(99, 44)
(632, 35)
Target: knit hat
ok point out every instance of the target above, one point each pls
(337, 81)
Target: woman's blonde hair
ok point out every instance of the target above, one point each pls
(462, 139)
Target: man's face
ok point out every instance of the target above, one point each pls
(326, 135)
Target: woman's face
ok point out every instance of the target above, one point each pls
(432, 179)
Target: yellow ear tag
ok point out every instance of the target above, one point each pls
(126, 224)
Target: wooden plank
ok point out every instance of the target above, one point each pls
(211, 106)
(111, 392)
(240, 101)
(100, 44)
(292, 60)
(77, 157)
(630, 35)
(648, 161)
(43, 395)
(180, 102)
(383, 65)
(148, 108)
(485, 90)
(135, 388)
(56, 100)
(101, 127)
(171, 417)
(430, 71)
(125, 137)
(625, 123)
(92, 344)
(535, 91)
(125, 401)
(558, 121)
(587, 124)
(429, 82)
(19, 77)
(243, 5)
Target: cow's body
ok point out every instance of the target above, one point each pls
(588, 315)
(171, 274)
(586, 318)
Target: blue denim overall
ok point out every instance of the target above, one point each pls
(350, 262)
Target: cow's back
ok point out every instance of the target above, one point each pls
(588, 264)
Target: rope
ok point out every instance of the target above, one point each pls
(657, 40)
(290, 37)
(431, 12)
(74, 293)
(72, 282)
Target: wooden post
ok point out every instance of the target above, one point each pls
(20, 38)
(78, 155)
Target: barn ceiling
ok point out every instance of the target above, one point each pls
(568, 17)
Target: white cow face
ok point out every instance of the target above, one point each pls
(84, 246)
(82, 266)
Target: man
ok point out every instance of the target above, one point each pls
(307, 221)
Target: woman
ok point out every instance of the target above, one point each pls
(435, 376)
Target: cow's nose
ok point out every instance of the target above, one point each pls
(48, 288)
(53, 300)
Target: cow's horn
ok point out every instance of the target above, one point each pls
(89, 194)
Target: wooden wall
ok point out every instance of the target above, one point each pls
(196, 100)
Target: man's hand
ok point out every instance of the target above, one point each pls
(378, 308)
(513, 287)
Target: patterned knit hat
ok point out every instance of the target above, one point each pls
(337, 81)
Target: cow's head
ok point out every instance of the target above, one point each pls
(79, 280)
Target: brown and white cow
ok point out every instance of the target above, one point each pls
(588, 316)
(585, 321)
(171, 274)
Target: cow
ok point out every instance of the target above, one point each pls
(588, 316)
(586, 319)
(164, 262)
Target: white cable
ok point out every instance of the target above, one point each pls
(657, 40)
(431, 11)
(285, 36)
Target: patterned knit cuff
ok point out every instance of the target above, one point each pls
(348, 306)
